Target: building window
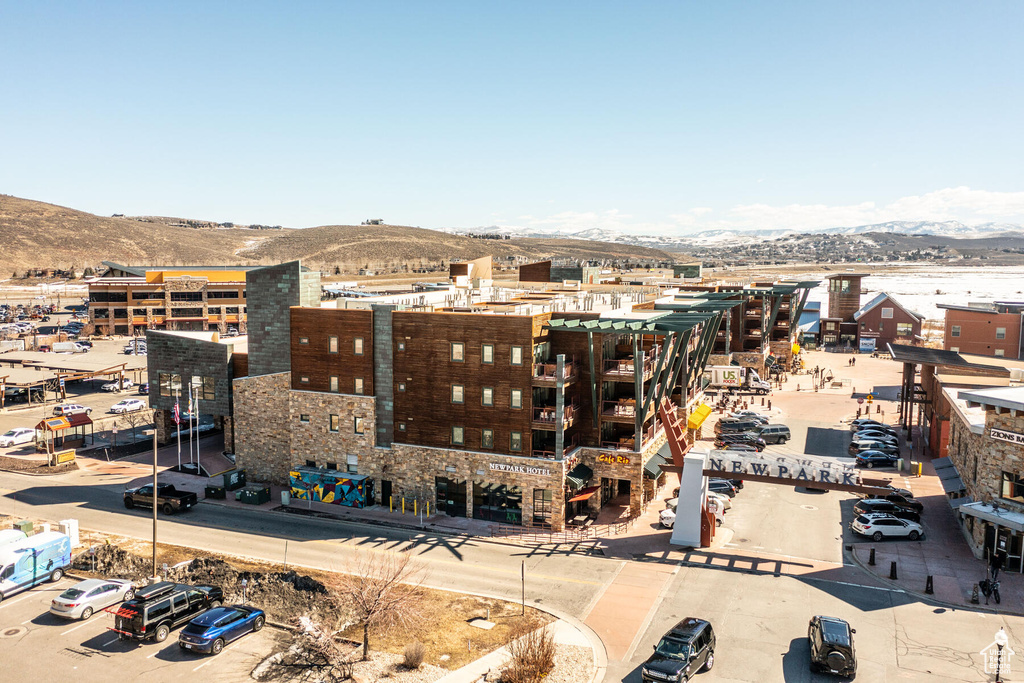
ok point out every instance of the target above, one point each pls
(359, 386)
(498, 503)
(517, 355)
(864, 325)
(487, 396)
(458, 393)
(401, 386)
(209, 389)
(886, 312)
(332, 465)
(311, 463)
(335, 424)
(1013, 487)
(458, 352)
(358, 346)
(401, 426)
(334, 384)
(1000, 353)
(954, 331)
(304, 379)
(358, 425)
(401, 346)
(165, 383)
(1000, 333)
(487, 438)
(515, 442)
(332, 344)
(542, 504)
(487, 354)
(458, 436)
(352, 464)
(304, 418)
(517, 398)
(904, 329)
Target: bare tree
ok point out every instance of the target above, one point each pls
(531, 651)
(135, 419)
(315, 655)
(384, 591)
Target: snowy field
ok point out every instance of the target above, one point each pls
(922, 288)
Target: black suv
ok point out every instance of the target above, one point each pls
(731, 425)
(832, 650)
(742, 438)
(162, 606)
(900, 499)
(869, 505)
(687, 648)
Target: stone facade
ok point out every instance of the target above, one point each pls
(188, 357)
(262, 427)
(751, 359)
(311, 435)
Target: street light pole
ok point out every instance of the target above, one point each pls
(1001, 641)
(154, 503)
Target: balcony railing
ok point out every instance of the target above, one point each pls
(546, 414)
(548, 372)
(628, 443)
(551, 454)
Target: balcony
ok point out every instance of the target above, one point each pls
(628, 443)
(569, 445)
(546, 374)
(544, 417)
(623, 368)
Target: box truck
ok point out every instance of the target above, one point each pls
(38, 558)
(735, 377)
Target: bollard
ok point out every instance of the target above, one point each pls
(391, 503)
(871, 558)
(974, 595)
(892, 570)
(415, 504)
(769, 404)
(928, 585)
(428, 508)
(762, 400)
(879, 408)
(403, 505)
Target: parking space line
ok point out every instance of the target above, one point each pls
(208, 661)
(153, 655)
(26, 621)
(110, 642)
(15, 602)
(84, 623)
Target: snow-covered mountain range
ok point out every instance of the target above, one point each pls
(939, 228)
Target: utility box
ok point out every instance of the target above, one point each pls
(24, 526)
(331, 486)
(234, 480)
(253, 495)
(216, 492)
(69, 527)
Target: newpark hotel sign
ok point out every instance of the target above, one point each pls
(784, 467)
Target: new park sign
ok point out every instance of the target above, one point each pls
(786, 469)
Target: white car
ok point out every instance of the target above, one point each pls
(82, 600)
(879, 525)
(115, 386)
(667, 517)
(13, 437)
(70, 409)
(128, 405)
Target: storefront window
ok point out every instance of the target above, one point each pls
(1013, 487)
(542, 507)
(497, 503)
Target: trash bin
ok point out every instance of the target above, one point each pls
(216, 492)
(899, 464)
(234, 480)
(254, 495)
(286, 497)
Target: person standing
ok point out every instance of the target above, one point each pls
(996, 563)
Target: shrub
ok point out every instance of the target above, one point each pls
(413, 655)
(531, 654)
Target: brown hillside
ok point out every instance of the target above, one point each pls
(38, 235)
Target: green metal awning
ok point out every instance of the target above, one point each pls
(652, 468)
(579, 477)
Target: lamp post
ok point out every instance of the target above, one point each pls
(154, 504)
(1001, 641)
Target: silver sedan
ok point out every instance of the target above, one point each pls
(81, 600)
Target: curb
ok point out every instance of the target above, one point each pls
(924, 597)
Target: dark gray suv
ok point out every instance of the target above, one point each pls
(774, 433)
(687, 648)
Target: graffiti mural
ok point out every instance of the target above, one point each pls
(331, 486)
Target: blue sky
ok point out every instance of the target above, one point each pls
(647, 117)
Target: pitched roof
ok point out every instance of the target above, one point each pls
(879, 298)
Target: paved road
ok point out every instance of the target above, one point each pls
(761, 620)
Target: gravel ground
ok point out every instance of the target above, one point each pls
(386, 666)
(573, 664)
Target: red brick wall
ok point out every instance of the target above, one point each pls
(978, 332)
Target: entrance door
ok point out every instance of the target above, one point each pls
(451, 496)
(624, 487)
(385, 492)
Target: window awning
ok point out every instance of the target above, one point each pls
(957, 502)
(652, 468)
(952, 485)
(578, 477)
(698, 416)
(996, 515)
(585, 493)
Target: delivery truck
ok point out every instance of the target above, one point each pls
(11, 536)
(38, 558)
(736, 378)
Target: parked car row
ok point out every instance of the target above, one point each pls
(720, 490)
(689, 648)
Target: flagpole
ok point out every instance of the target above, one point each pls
(191, 429)
(177, 421)
(196, 411)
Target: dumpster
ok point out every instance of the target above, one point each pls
(253, 495)
(234, 480)
(216, 492)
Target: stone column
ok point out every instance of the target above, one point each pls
(559, 406)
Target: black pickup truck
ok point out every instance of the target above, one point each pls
(168, 498)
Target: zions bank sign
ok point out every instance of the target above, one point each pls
(797, 469)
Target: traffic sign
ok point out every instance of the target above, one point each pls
(860, 400)
(870, 398)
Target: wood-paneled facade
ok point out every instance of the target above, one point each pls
(324, 345)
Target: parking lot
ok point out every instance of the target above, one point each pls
(88, 651)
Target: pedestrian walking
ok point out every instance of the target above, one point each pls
(853, 361)
(996, 563)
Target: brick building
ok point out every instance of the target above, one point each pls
(130, 300)
(885, 321)
(995, 329)
(529, 411)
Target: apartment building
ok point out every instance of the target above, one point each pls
(985, 329)
(883, 320)
(511, 406)
(130, 300)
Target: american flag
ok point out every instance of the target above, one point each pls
(177, 414)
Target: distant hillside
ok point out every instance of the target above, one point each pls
(38, 235)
